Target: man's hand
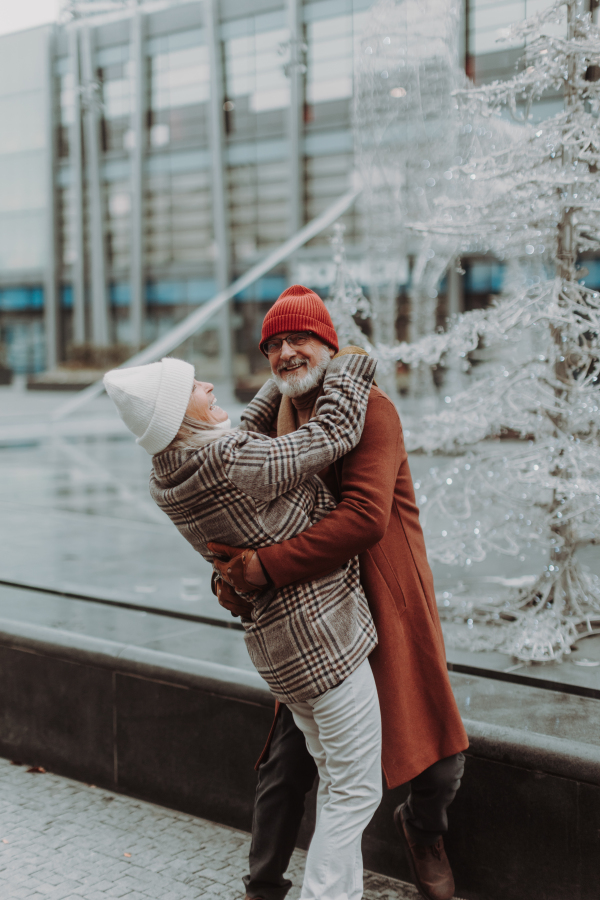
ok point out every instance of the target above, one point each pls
(228, 599)
(239, 567)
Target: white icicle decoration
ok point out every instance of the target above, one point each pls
(522, 192)
(537, 196)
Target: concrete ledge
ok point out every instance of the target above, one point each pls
(530, 750)
(201, 675)
(512, 746)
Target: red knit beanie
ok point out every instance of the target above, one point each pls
(299, 309)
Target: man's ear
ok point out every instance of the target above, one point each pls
(331, 352)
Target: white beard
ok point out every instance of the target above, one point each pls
(295, 385)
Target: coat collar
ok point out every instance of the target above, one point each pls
(167, 463)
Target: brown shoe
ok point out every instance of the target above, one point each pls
(428, 863)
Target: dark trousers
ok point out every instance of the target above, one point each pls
(285, 778)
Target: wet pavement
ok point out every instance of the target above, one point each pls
(76, 517)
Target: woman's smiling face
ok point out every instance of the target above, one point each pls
(202, 405)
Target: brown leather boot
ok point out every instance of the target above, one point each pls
(428, 863)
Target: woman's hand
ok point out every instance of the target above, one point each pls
(231, 601)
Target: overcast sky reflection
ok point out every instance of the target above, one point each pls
(26, 14)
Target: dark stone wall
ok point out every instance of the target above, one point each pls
(189, 750)
(57, 714)
(514, 834)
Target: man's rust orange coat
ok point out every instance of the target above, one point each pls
(377, 518)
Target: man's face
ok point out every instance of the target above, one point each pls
(297, 371)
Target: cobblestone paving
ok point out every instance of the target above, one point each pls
(62, 840)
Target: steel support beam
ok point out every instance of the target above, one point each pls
(297, 68)
(467, 39)
(76, 158)
(138, 117)
(219, 191)
(52, 320)
(99, 292)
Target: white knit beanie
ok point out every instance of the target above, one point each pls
(152, 399)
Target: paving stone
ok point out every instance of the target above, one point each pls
(66, 841)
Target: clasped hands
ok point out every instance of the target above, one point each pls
(236, 569)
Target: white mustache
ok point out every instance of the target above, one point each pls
(292, 364)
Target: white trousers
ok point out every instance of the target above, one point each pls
(342, 728)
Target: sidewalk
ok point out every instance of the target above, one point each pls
(62, 840)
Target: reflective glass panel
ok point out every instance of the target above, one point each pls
(329, 59)
(23, 118)
(180, 78)
(23, 241)
(254, 67)
(22, 181)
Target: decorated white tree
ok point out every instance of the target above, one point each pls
(535, 196)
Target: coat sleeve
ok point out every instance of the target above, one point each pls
(361, 518)
(262, 409)
(265, 468)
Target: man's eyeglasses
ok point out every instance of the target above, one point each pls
(292, 340)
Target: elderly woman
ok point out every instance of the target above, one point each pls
(309, 642)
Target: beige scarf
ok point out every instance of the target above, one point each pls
(292, 411)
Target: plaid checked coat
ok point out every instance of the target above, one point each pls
(249, 490)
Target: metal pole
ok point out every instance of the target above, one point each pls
(100, 310)
(51, 288)
(219, 196)
(567, 250)
(469, 60)
(455, 291)
(76, 157)
(454, 381)
(137, 308)
(297, 69)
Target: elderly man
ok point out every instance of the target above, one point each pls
(377, 519)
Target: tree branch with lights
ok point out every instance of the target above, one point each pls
(527, 193)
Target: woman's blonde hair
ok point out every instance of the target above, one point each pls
(194, 434)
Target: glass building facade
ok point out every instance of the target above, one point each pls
(147, 158)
